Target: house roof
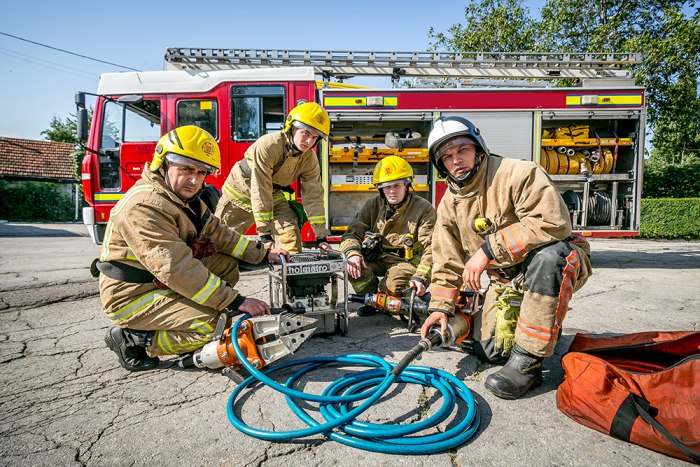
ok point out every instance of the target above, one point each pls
(30, 159)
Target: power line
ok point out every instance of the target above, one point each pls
(67, 51)
(47, 64)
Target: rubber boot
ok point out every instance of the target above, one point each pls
(522, 372)
(130, 347)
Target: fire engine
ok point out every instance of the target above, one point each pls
(588, 136)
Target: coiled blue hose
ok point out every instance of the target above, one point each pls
(367, 386)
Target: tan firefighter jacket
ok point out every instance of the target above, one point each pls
(269, 164)
(148, 229)
(415, 216)
(525, 208)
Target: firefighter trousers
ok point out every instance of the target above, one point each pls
(181, 325)
(285, 227)
(395, 274)
(552, 274)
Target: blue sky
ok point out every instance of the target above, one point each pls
(39, 83)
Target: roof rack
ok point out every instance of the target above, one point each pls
(346, 64)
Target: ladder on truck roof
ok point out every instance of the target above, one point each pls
(347, 64)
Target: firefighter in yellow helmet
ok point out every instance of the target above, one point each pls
(527, 249)
(254, 191)
(168, 266)
(390, 237)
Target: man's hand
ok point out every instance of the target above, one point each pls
(473, 269)
(433, 319)
(355, 265)
(418, 285)
(266, 238)
(254, 307)
(275, 254)
(325, 247)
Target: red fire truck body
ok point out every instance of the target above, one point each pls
(589, 137)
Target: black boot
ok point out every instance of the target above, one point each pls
(130, 347)
(365, 310)
(522, 372)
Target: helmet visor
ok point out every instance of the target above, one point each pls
(401, 181)
(453, 143)
(310, 129)
(182, 160)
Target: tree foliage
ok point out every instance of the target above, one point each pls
(66, 131)
(491, 26)
(62, 131)
(667, 32)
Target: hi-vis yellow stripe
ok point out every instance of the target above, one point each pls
(102, 196)
(358, 101)
(617, 99)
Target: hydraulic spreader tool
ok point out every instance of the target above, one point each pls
(261, 339)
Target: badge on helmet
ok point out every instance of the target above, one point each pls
(311, 116)
(389, 170)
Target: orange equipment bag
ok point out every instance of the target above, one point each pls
(640, 388)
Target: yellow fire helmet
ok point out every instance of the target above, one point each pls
(311, 116)
(389, 170)
(191, 143)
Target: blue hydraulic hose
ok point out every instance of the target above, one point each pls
(368, 386)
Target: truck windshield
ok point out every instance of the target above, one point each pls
(136, 123)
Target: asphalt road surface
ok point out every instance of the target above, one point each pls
(64, 400)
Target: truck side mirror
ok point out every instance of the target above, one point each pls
(82, 124)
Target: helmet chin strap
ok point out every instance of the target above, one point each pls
(466, 177)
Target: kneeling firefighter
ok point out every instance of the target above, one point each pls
(390, 237)
(503, 216)
(254, 191)
(167, 266)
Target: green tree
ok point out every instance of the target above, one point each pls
(66, 131)
(62, 131)
(490, 26)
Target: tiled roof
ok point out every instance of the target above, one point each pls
(36, 159)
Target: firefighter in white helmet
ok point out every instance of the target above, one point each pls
(168, 266)
(528, 240)
(390, 236)
(254, 191)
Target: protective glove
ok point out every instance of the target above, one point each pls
(508, 303)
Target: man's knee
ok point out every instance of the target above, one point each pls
(545, 268)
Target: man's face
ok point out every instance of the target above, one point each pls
(303, 138)
(186, 180)
(458, 155)
(395, 192)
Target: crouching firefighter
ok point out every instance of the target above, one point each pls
(390, 236)
(505, 217)
(167, 265)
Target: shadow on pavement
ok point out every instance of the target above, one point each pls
(646, 260)
(28, 230)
